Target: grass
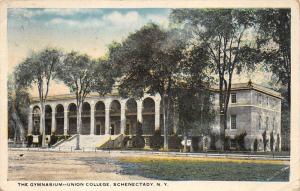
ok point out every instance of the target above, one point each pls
(212, 169)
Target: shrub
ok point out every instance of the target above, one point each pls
(156, 140)
(265, 140)
(174, 142)
(53, 139)
(138, 141)
(29, 140)
(227, 143)
(272, 141)
(195, 143)
(125, 141)
(240, 139)
(213, 138)
(40, 139)
(255, 145)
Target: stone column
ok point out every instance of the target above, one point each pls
(123, 117)
(66, 123)
(157, 114)
(30, 121)
(92, 118)
(53, 120)
(139, 111)
(107, 120)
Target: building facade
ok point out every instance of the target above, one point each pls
(253, 109)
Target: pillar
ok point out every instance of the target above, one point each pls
(107, 120)
(123, 117)
(139, 111)
(53, 121)
(66, 123)
(157, 114)
(30, 121)
(92, 104)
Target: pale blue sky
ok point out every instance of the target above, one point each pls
(85, 30)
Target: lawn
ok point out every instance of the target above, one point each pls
(167, 168)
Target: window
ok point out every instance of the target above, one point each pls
(233, 121)
(233, 98)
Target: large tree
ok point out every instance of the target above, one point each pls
(77, 73)
(84, 75)
(18, 103)
(223, 33)
(149, 62)
(39, 69)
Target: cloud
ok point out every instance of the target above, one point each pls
(117, 18)
(87, 23)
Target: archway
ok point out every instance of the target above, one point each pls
(115, 117)
(100, 118)
(86, 119)
(36, 114)
(72, 119)
(148, 116)
(48, 119)
(131, 117)
(59, 117)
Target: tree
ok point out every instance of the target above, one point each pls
(18, 103)
(148, 61)
(39, 69)
(223, 34)
(77, 74)
(274, 40)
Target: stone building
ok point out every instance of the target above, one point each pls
(253, 109)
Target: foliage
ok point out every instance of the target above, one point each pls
(272, 141)
(255, 145)
(18, 103)
(265, 140)
(125, 141)
(53, 139)
(222, 33)
(148, 61)
(29, 140)
(195, 143)
(39, 69)
(156, 140)
(227, 143)
(240, 139)
(175, 142)
(138, 141)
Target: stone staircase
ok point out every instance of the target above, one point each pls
(91, 141)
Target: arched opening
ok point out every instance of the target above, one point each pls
(86, 119)
(36, 114)
(59, 117)
(131, 117)
(100, 118)
(148, 116)
(72, 119)
(48, 119)
(115, 117)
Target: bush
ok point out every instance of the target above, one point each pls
(195, 143)
(255, 145)
(174, 142)
(265, 140)
(213, 138)
(227, 143)
(138, 142)
(29, 140)
(125, 141)
(272, 141)
(53, 139)
(156, 141)
(40, 139)
(240, 139)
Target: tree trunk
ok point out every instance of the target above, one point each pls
(43, 123)
(19, 128)
(79, 125)
(185, 141)
(166, 122)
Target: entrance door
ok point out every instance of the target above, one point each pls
(98, 129)
(112, 130)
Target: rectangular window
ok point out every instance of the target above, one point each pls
(233, 121)
(233, 98)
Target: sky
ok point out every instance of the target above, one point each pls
(88, 31)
